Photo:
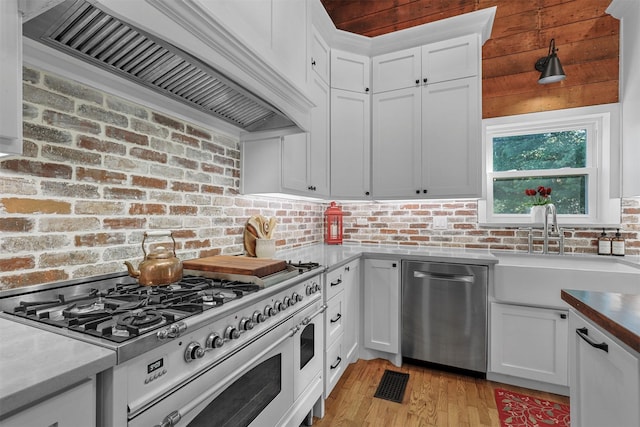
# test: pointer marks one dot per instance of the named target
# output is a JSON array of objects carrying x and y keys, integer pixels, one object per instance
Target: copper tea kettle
[{"x": 159, "y": 267}]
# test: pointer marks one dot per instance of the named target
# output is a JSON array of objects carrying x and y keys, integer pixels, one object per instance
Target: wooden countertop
[
  {"x": 35, "y": 363},
  {"x": 618, "y": 314}
]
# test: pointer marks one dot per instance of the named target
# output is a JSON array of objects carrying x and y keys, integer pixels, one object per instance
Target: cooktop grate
[{"x": 392, "y": 386}]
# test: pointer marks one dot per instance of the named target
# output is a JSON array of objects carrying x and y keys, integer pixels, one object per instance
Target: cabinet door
[
  {"x": 320, "y": 55},
  {"x": 350, "y": 144},
  {"x": 529, "y": 342},
  {"x": 11, "y": 72},
  {"x": 397, "y": 144},
  {"x": 319, "y": 140},
  {"x": 451, "y": 59},
  {"x": 396, "y": 70},
  {"x": 382, "y": 305},
  {"x": 350, "y": 71},
  {"x": 604, "y": 384},
  {"x": 72, "y": 408},
  {"x": 451, "y": 137},
  {"x": 295, "y": 155}
]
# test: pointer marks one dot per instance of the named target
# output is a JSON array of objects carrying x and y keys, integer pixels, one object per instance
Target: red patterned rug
[{"x": 519, "y": 410}]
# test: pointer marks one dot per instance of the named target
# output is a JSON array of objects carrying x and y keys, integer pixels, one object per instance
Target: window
[{"x": 572, "y": 152}]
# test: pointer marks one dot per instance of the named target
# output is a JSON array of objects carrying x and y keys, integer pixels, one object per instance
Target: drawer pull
[
  {"x": 336, "y": 283},
  {"x": 338, "y": 317},
  {"x": 338, "y": 360},
  {"x": 584, "y": 334}
]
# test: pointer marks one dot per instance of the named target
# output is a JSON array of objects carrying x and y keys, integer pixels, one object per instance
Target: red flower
[{"x": 540, "y": 195}]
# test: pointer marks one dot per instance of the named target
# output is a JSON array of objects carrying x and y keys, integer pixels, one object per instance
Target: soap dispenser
[
  {"x": 604, "y": 244},
  {"x": 617, "y": 244}
]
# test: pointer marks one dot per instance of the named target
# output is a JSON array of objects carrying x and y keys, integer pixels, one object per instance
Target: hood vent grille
[{"x": 86, "y": 32}]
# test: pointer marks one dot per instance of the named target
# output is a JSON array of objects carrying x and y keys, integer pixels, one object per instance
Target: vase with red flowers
[{"x": 539, "y": 198}]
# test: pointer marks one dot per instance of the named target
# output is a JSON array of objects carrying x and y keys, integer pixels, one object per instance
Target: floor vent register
[{"x": 392, "y": 386}]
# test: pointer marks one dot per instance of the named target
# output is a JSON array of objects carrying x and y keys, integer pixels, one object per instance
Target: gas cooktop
[{"x": 128, "y": 309}]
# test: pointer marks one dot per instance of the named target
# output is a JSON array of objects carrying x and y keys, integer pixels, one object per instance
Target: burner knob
[
  {"x": 277, "y": 306},
  {"x": 258, "y": 317},
  {"x": 269, "y": 311},
  {"x": 309, "y": 290},
  {"x": 214, "y": 341},
  {"x": 231, "y": 333},
  {"x": 316, "y": 287},
  {"x": 194, "y": 351},
  {"x": 286, "y": 302},
  {"x": 246, "y": 324},
  {"x": 296, "y": 297}
]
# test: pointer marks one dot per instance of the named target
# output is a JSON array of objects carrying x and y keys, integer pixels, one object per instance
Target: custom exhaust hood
[{"x": 87, "y": 32}]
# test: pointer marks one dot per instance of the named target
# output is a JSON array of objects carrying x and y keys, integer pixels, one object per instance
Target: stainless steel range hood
[{"x": 83, "y": 30}]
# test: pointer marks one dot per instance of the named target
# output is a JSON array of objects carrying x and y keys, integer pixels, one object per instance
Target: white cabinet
[
  {"x": 426, "y": 141},
  {"x": 320, "y": 56},
  {"x": 305, "y": 156},
  {"x": 381, "y": 289},
  {"x": 350, "y": 71},
  {"x": 341, "y": 321},
  {"x": 350, "y": 144},
  {"x": 604, "y": 382},
  {"x": 71, "y": 408},
  {"x": 432, "y": 63},
  {"x": 11, "y": 77},
  {"x": 529, "y": 342}
]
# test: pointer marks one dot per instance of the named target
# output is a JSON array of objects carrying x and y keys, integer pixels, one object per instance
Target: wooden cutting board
[{"x": 229, "y": 264}]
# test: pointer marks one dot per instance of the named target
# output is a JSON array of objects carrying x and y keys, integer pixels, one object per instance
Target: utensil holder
[{"x": 265, "y": 248}]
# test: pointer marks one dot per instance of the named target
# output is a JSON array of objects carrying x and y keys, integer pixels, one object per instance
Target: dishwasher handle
[{"x": 444, "y": 276}]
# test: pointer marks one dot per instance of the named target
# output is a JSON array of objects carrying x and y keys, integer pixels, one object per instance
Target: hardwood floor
[{"x": 432, "y": 398}]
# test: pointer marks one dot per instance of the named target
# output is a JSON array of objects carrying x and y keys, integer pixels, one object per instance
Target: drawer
[
  {"x": 334, "y": 365},
  {"x": 333, "y": 284},
  {"x": 335, "y": 319}
]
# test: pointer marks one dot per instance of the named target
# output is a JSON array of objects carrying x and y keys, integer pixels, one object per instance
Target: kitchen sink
[{"x": 537, "y": 279}]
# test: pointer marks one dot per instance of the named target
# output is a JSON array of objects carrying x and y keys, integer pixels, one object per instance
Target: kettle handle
[{"x": 159, "y": 233}]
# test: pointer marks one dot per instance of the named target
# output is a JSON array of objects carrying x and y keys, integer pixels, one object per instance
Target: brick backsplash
[
  {"x": 98, "y": 170},
  {"x": 411, "y": 224}
]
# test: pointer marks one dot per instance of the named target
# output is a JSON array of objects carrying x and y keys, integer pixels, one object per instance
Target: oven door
[
  {"x": 308, "y": 347},
  {"x": 253, "y": 387}
]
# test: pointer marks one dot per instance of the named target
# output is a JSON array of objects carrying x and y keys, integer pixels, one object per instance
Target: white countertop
[{"x": 35, "y": 364}]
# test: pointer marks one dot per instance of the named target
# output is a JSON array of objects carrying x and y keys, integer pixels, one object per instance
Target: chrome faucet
[{"x": 549, "y": 209}]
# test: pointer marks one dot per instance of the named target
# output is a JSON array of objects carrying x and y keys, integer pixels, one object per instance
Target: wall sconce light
[{"x": 550, "y": 67}]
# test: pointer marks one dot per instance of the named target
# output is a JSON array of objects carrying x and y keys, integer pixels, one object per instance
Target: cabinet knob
[
  {"x": 366, "y": 193},
  {"x": 424, "y": 80},
  {"x": 424, "y": 191},
  {"x": 417, "y": 81},
  {"x": 417, "y": 191},
  {"x": 366, "y": 89},
  {"x": 313, "y": 62}
]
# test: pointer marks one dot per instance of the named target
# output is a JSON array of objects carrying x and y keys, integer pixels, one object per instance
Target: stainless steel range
[{"x": 202, "y": 351}]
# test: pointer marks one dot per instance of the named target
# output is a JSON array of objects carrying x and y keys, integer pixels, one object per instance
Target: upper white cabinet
[
  {"x": 350, "y": 71},
  {"x": 426, "y": 131},
  {"x": 350, "y": 144},
  {"x": 11, "y": 77},
  {"x": 320, "y": 56},
  {"x": 436, "y": 62}
]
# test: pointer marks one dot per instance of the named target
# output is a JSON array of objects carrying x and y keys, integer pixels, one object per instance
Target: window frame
[{"x": 602, "y": 164}]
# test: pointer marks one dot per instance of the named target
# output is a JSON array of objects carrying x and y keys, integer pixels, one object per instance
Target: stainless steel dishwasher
[{"x": 444, "y": 314}]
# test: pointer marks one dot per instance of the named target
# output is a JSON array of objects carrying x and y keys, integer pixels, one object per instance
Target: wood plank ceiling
[{"x": 586, "y": 37}]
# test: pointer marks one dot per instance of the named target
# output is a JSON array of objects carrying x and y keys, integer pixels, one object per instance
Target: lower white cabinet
[
  {"x": 71, "y": 408},
  {"x": 381, "y": 289},
  {"x": 529, "y": 342},
  {"x": 604, "y": 381},
  {"x": 341, "y": 321}
]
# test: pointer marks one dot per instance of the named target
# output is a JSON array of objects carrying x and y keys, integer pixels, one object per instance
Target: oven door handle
[
  {"x": 309, "y": 318},
  {"x": 174, "y": 417}
]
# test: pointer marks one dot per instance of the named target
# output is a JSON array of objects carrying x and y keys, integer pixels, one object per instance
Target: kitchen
[{"x": 101, "y": 164}]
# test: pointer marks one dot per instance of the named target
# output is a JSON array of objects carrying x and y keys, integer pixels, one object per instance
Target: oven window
[
  {"x": 307, "y": 345},
  {"x": 245, "y": 399}
]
